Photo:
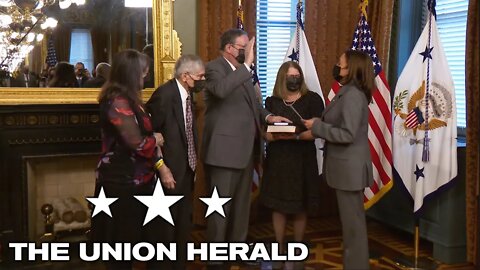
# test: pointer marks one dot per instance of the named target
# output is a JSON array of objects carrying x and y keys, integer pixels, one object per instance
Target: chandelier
[{"x": 23, "y": 23}]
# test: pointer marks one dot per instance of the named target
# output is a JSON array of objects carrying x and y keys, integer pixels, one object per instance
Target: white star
[
  {"x": 158, "y": 204},
  {"x": 101, "y": 203},
  {"x": 215, "y": 203}
]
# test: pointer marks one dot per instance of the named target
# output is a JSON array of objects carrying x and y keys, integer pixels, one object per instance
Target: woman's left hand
[{"x": 309, "y": 123}]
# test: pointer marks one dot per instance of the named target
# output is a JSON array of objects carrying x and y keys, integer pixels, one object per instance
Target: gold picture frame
[{"x": 167, "y": 48}]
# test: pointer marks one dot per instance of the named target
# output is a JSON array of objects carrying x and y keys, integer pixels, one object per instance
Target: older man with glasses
[{"x": 172, "y": 115}]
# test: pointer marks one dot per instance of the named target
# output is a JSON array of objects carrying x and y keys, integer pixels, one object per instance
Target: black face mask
[
  {"x": 198, "y": 85},
  {"x": 336, "y": 73},
  {"x": 241, "y": 56},
  {"x": 293, "y": 83}
]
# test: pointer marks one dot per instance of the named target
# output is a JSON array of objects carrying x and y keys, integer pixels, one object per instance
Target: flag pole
[{"x": 416, "y": 242}]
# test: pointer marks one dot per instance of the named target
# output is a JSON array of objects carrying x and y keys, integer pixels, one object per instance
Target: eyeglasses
[{"x": 242, "y": 47}]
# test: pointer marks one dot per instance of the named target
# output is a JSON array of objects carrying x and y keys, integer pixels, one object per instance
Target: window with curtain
[
  {"x": 276, "y": 22},
  {"x": 81, "y": 49},
  {"x": 452, "y": 27}
]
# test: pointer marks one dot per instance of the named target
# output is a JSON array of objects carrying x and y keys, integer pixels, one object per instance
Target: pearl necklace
[{"x": 290, "y": 103}]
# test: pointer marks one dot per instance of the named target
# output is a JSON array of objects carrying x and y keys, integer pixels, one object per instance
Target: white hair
[{"x": 188, "y": 64}]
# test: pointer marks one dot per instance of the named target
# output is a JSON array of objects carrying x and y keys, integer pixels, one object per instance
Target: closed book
[{"x": 281, "y": 129}]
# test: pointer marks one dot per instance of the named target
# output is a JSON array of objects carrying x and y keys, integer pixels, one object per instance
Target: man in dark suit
[
  {"x": 172, "y": 115},
  {"x": 81, "y": 73},
  {"x": 25, "y": 78},
  {"x": 102, "y": 72},
  {"x": 233, "y": 123}
]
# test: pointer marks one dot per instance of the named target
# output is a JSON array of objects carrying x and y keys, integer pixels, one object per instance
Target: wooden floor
[{"x": 389, "y": 249}]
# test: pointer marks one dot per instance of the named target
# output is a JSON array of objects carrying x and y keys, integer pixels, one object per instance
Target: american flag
[
  {"x": 380, "y": 117},
  {"x": 51, "y": 59}
]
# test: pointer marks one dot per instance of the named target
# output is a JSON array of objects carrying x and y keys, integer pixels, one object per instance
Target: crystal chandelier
[{"x": 22, "y": 24}]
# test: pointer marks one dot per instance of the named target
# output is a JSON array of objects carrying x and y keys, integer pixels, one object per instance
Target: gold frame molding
[{"x": 167, "y": 48}]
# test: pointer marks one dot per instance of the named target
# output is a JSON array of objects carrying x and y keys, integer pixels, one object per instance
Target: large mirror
[
  {"x": 77, "y": 51},
  {"x": 123, "y": 27}
]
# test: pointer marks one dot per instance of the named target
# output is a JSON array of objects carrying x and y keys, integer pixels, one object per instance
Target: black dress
[{"x": 291, "y": 183}]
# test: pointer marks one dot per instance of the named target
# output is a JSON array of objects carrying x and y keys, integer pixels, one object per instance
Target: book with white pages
[{"x": 281, "y": 128}]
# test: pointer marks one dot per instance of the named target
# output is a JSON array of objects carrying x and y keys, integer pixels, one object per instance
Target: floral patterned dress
[
  {"x": 128, "y": 144},
  {"x": 125, "y": 170}
]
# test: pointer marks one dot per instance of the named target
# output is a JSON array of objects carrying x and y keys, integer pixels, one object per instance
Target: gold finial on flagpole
[{"x": 363, "y": 7}]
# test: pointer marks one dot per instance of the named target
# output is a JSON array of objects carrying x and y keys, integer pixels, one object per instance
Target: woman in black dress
[{"x": 291, "y": 181}]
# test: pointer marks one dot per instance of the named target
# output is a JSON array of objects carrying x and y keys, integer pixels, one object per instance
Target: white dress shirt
[{"x": 183, "y": 96}]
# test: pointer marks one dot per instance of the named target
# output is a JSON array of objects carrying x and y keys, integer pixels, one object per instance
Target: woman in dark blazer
[{"x": 348, "y": 165}]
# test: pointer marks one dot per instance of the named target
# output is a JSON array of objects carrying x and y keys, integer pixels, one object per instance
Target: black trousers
[{"x": 182, "y": 217}]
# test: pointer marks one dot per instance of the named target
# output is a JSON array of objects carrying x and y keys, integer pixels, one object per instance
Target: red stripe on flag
[
  {"x": 374, "y": 188},
  {"x": 378, "y": 133},
  {"x": 333, "y": 91},
  {"x": 388, "y": 120},
  {"x": 382, "y": 105},
  {"x": 384, "y": 177},
  {"x": 411, "y": 120}
]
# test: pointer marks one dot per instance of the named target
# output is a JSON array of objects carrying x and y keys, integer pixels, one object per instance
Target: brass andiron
[
  {"x": 48, "y": 236},
  {"x": 88, "y": 232}
]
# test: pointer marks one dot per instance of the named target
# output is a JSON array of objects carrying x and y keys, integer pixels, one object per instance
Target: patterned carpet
[{"x": 389, "y": 249}]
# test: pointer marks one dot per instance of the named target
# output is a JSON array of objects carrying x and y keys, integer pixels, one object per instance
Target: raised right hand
[{"x": 250, "y": 52}]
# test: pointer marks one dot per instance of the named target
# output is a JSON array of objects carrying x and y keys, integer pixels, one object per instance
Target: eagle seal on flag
[{"x": 439, "y": 108}]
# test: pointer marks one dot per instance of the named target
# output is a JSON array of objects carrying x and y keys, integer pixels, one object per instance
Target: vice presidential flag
[
  {"x": 379, "y": 118},
  {"x": 299, "y": 52},
  {"x": 425, "y": 126}
]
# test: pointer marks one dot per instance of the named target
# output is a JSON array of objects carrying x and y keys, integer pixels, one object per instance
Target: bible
[{"x": 281, "y": 128}]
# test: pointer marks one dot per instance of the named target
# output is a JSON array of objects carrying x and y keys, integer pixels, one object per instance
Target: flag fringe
[{"x": 378, "y": 195}]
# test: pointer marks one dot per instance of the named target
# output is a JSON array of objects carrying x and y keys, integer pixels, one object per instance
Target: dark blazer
[
  {"x": 19, "y": 81},
  {"x": 81, "y": 82},
  {"x": 344, "y": 126},
  {"x": 96, "y": 82},
  {"x": 165, "y": 107},
  {"x": 233, "y": 116}
]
